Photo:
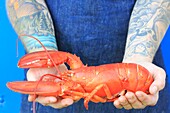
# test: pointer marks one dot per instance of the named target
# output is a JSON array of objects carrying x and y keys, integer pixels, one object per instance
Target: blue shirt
[{"x": 94, "y": 30}]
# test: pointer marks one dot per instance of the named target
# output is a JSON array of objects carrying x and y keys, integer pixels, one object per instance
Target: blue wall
[
  {"x": 10, "y": 101},
  {"x": 166, "y": 51}
]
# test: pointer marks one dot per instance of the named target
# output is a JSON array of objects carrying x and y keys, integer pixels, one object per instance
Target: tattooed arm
[
  {"x": 148, "y": 24},
  {"x": 31, "y": 17}
]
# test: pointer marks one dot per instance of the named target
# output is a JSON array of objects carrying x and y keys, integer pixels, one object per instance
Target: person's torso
[{"x": 95, "y": 30}]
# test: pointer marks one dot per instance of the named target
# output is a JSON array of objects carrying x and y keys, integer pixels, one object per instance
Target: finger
[
  {"x": 32, "y": 98},
  {"x": 41, "y": 99},
  {"x": 46, "y": 100},
  {"x": 62, "y": 68},
  {"x": 31, "y": 74},
  {"x": 51, "y": 101},
  {"x": 62, "y": 103},
  {"x": 117, "y": 104},
  {"x": 124, "y": 102},
  {"x": 135, "y": 103},
  {"x": 147, "y": 99},
  {"x": 159, "y": 81},
  {"x": 34, "y": 74}
]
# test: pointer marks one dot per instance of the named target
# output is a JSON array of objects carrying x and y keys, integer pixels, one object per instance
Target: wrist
[
  {"x": 33, "y": 45},
  {"x": 136, "y": 59}
]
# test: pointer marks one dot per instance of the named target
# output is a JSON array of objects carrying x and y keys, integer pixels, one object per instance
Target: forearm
[
  {"x": 148, "y": 25},
  {"x": 30, "y": 17}
]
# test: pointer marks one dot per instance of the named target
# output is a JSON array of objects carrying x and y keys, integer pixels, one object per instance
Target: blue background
[{"x": 10, "y": 101}]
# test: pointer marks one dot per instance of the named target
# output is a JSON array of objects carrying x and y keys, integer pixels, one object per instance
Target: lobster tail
[{"x": 135, "y": 77}]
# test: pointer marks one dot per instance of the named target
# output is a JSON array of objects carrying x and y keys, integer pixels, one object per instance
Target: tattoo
[
  {"x": 31, "y": 17},
  {"x": 148, "y": 24}
]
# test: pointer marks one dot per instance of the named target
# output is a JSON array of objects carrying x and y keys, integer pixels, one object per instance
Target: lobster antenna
[
  {"x": 34, "y": 106},
  {"x": 45, "y": 51}
]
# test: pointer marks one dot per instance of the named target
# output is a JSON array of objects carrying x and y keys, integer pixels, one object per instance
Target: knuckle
[
  {"x": 128, "y": 107},
  {"x": 153, "y": 104},
  {"x": 162, "y": 71},
  {"x": 139, "y": 107},
  {"x": 44, "y": 104},
  {"x": 162, "y": 85},
  {"x": 136, "y": 107},
  {"x": 132, "y": 100},
  {"x": 142, "y": 107},
  {"x": 117, "y": 105},
  {"x": 57, "y": 107},
  {"x": 124, "y": 103}
]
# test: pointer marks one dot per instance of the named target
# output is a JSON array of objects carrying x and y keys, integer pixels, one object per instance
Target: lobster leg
[
  {"x": 123, "y": 92},
  {"x": 106, "y": 89},
  {"x": 75, "y": 95}
]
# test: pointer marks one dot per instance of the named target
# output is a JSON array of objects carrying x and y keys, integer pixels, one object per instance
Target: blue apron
[{"x": 95, "y": 30}]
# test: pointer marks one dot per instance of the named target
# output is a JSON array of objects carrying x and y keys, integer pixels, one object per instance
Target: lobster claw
[
  {"x": 41, "y": 59},
  {"x": 41, "y": 88},
  {"x": 49, "y": 58}
]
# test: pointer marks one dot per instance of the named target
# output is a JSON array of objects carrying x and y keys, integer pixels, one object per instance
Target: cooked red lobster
[{"x": 103, "y": 83}]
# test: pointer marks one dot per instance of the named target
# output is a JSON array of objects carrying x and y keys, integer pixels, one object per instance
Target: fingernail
[
  {"x": 52, "y": 99},
  {"x": 67, "y": 102},
  {"x": 29, "y": 98}
]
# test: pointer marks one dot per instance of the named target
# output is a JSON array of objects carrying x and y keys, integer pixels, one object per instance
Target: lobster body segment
[{"x": 117, "y": 77}]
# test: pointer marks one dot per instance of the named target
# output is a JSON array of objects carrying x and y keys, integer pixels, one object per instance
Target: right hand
[{"x": 34, "y": 74}]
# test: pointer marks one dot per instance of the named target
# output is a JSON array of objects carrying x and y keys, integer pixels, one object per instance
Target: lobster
[{"x": 103, "y": 83}]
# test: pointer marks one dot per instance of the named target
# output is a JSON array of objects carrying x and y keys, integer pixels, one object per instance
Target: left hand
[
  {"x": 34, "y": 74},
  {"x": 139, "y": 99}
]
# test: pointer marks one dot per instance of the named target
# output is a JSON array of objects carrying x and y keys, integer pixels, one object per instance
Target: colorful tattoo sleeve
[
  {"x": 31, "y": 17},
  {"x": 148, "y": 24}
]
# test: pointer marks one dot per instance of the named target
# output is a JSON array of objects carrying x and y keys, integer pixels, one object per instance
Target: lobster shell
[{"x": 102, "y": 83}]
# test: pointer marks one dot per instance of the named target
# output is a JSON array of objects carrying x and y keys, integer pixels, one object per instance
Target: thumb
[
  {"x": 63, "y": 103},
  {"x": 159, "y": 76},
  {"x": 34, "y": 74}
]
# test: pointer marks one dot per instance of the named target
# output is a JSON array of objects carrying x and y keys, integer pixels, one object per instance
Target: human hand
[
  {"x": 139, "y": 99},
  {"x": 34, "y": 74}
]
